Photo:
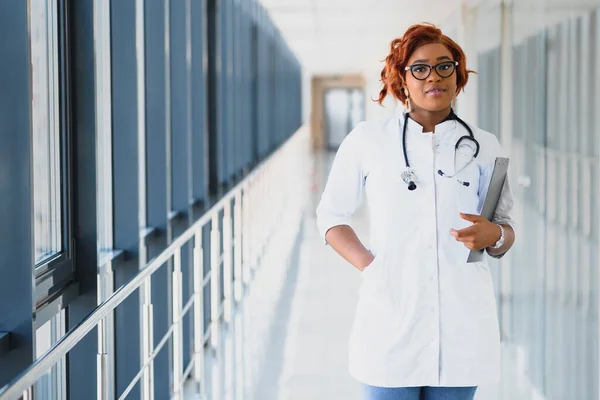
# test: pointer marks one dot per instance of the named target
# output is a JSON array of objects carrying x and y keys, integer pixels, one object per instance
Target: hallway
[{"x": 161, "y": 162}]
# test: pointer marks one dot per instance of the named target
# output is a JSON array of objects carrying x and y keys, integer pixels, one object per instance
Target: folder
[{"x": 491, "y": 199}]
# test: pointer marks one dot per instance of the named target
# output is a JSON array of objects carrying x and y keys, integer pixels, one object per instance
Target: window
[
  {"x": 51, "y": 386},
  {"x": 104, "y": 189},
  {"x": 46, "y": 141},
  {"x": 51, "y": 151}
]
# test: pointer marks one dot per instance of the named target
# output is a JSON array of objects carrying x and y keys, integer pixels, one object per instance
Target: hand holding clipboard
[{"x": 491, "y": 199}]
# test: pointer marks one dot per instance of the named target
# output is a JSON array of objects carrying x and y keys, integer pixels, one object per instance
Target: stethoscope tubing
[{"x": 470, "y": 136}]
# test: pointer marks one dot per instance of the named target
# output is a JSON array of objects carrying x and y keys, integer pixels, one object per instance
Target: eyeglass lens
[{"x": 422, "y": 71}]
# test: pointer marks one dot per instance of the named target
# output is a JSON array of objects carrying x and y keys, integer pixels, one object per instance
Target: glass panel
[
  {"x": 487, "y": 43},
  {"x": 555, "y": 298},
  {"x": 104, "y": 135},
  {"x": 51, "y": 386},
  {"x": 45, "y": 129}
]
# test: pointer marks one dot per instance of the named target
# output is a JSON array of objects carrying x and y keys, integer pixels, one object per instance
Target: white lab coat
[{"x": 424, "y": 316}]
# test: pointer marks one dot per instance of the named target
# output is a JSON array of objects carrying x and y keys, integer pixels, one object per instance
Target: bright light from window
[{"x": 45, "y": 129}]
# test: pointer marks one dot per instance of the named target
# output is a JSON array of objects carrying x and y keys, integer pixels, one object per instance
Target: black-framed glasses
[{"x": 422, "y": 71}]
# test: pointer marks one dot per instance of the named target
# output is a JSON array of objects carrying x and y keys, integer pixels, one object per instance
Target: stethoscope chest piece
[{"x": 409, "y": 177}]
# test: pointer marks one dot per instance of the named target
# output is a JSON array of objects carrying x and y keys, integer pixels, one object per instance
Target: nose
[{"x": 434, "y": 76}]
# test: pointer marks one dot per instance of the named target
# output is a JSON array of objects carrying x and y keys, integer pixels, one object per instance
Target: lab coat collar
[{"x": 443, "y": 127}]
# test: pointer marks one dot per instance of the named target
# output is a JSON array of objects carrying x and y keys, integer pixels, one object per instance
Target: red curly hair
[{"x": 393, "y": 74}]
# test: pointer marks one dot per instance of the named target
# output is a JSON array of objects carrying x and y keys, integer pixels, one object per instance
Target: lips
[{"x": 436, "y": 91}]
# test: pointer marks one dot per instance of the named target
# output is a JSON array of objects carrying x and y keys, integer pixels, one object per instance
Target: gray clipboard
[{"x": 491, "y": 199}]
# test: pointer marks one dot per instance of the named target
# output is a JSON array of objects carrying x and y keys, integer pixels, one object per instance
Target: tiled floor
[{"x": 320, "y": 321}]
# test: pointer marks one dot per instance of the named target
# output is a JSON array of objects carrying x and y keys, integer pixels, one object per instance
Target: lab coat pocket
[
  {"x": 369, "y": 268},
  {"x": 374, "y": 315},
  {"x": 373, "y": 276}
]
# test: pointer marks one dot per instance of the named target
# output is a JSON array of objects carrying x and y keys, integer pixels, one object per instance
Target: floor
[{"x": 306, "y": 350}]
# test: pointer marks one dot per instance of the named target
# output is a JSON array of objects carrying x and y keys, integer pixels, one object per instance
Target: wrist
[
  {"x": 499, "y": 238},
  {"x": 366, "y": 261}
]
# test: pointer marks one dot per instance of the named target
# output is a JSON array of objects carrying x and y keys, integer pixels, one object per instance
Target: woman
[{"x": 425, "y": 325}]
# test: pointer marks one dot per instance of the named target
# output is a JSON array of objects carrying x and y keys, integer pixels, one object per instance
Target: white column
[
  {"x": 466, "y": 37},
  {"x": 506, "y": 75}
]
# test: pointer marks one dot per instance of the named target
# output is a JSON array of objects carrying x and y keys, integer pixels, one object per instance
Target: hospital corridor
[{"x": 299, "y": 199}]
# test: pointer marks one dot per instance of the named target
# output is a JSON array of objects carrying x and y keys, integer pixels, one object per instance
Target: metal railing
[{"x": 261, "y": 210}]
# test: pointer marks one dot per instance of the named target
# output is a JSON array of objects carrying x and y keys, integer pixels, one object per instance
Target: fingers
[
  {"x": 467, "y": 236},
  {"x": 465, "y": 233},
  {"x": 472, "y": 246}
]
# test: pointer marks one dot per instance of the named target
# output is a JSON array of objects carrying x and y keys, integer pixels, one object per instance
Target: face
[{"x": 435, "y": 93}]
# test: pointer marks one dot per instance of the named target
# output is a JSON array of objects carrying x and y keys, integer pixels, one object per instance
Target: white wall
[{"x": 373, "y": 110}]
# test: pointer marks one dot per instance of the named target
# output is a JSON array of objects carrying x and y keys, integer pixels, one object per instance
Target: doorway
[{"x": 343, "y": 109}]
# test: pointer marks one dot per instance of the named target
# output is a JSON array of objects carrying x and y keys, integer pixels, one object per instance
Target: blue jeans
[{"x": 418, "y": 393}]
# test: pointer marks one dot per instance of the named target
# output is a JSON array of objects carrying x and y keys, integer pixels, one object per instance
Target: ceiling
[{"x": 341, "y": 36}]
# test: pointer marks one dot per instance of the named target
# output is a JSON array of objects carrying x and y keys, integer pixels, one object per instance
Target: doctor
[{"x": 425, "y": 325}]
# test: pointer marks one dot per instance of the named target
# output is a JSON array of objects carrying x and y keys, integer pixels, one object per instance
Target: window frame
[{"x": 54, "y": 275}]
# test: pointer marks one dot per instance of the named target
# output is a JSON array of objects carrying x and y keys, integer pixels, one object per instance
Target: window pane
[
  {"x": 103, "y": 121},
  {"x": 45, "y": 130},
  {"x": 52, "y": 385}
]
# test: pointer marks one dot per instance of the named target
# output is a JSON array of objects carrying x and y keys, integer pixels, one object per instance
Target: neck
[{"x": 429, "y": 119}]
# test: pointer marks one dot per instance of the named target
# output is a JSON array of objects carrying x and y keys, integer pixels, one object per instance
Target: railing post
[
  {"x": 260, "y": 217},
  {"x": 238, "y": 288},
  {"x": 105, "y": 362},
  {"x": 147, "y": 340},
  {"x": 246, "y": 238},
  {"x": 239, "y": 348},
  {"x": 102, "y": 365},
  {"x": 199, "y": 330},
  {"x": 176, "y": 303},
  {"x": 27, "y": 394},
  {"x": 227, "y": 264},
  {"x": 215, "y": 284},
  {"x": 264, "y": 211}
]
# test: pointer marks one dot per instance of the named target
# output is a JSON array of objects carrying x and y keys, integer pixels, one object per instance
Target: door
[{"x": 344, "y": 109}]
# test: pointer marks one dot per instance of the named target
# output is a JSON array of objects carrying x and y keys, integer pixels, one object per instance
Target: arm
[
  {"x": 344, "y": 241},
  {"x": 341, "y": 197}
]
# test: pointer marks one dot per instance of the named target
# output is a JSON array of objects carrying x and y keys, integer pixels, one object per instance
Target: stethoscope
[{"x": 409, "y": 177}]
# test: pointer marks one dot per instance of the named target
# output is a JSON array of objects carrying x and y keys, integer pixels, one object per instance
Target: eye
[
  {"x": 420, "y": 69},
  {"x": 446, "y": 66}
]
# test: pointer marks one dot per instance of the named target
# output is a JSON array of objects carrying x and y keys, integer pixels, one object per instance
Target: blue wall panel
[
  {"x": 125, "y": 186},
  {"x": 199, "y": 88},
  {"x": 83, "y": 100},
  {"x": 16, "y": 197}
]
